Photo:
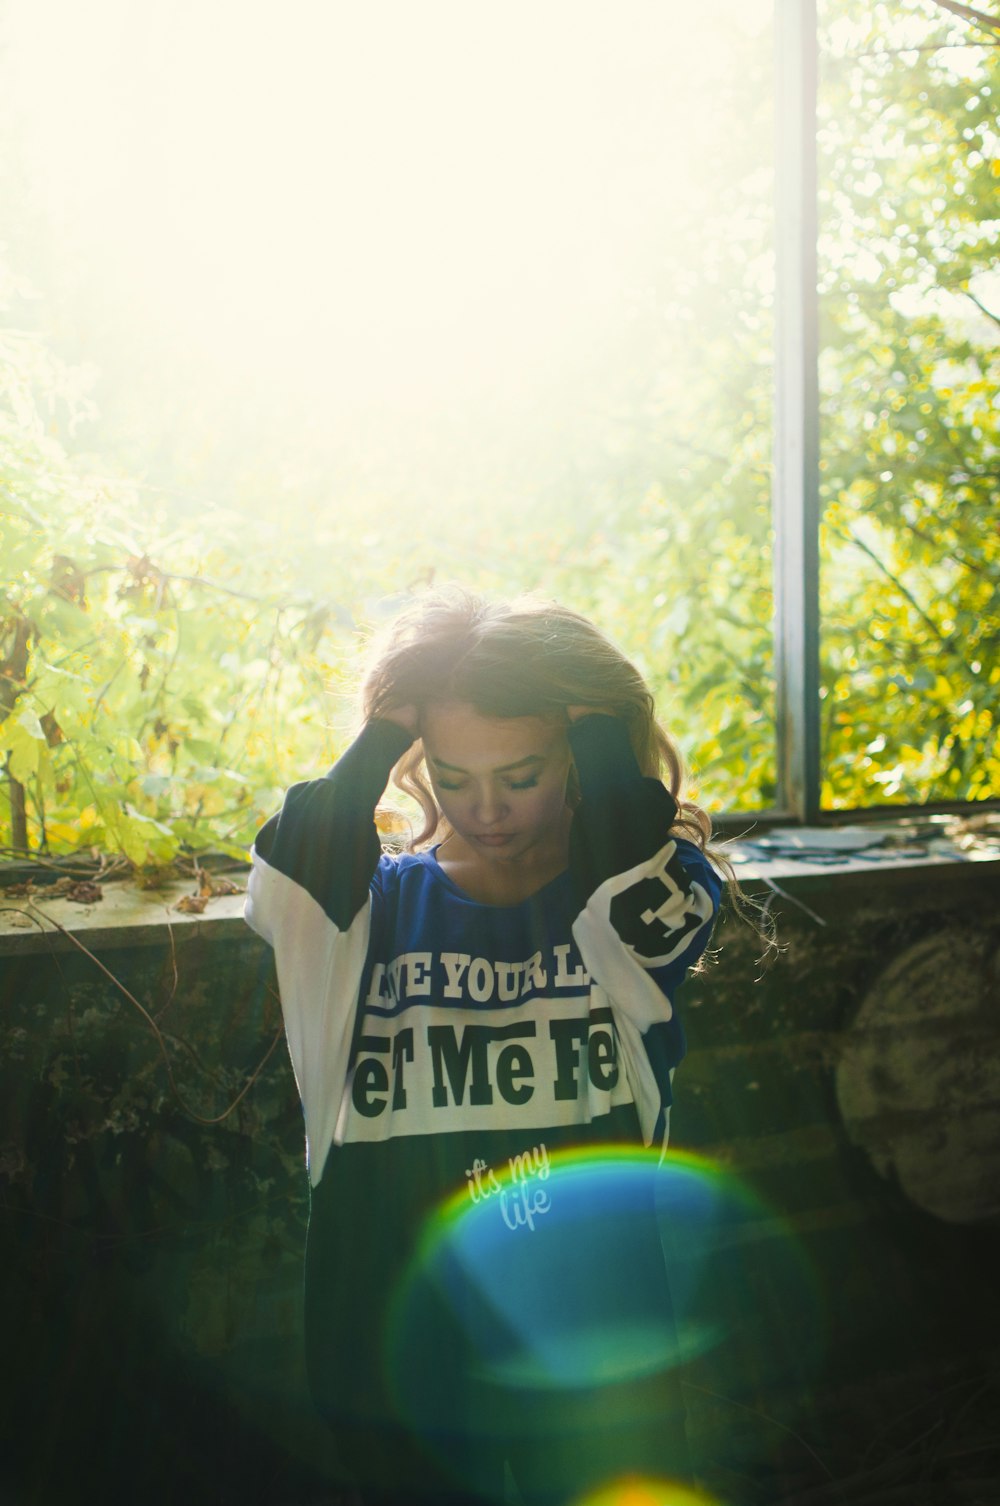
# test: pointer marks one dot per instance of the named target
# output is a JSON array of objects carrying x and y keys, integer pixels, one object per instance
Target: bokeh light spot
[
  {"x": 634, "y": 1491},
  {"x": 561, "y": 1299}
]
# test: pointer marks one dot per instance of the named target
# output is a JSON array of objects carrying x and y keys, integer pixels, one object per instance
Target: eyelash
[{"x": 514, "y": 784}]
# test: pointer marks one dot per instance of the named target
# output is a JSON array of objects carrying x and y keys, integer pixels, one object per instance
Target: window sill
[
  {"x": 129, "y": 916},
  {"x": 126, "y": 915}
]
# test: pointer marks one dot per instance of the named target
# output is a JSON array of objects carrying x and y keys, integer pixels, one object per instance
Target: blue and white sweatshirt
[{"x": 435, "y": 1038}]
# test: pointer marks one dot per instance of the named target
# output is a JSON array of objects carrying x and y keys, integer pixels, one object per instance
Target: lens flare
[
  {"x": 561, "y": 1297},
  {"x": 634, "y": 1491}
]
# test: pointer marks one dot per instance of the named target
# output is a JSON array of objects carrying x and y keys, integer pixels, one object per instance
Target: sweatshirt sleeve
[
  {"x": 647, "y": 903},
  {"x": 323, "y": 840},
  {"x": 308, "y": 896}
]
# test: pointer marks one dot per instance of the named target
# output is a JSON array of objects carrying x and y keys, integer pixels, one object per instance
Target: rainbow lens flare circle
[{"x": 570, "y": 1292}]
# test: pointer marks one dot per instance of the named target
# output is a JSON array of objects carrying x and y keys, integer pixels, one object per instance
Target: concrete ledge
[{"x": 128, "y": 915}]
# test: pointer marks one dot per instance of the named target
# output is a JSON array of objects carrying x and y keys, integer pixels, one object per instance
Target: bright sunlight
[{"x": 394, "y": 210}]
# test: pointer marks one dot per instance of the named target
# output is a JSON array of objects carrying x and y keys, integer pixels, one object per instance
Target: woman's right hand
[{"x": 407, "y": 717}]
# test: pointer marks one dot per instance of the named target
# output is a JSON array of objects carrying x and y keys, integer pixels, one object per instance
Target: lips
[{"x": 495, "y": 838}]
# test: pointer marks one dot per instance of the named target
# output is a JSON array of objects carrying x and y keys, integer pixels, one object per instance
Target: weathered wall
[
  {"x": 856, "y": 1088},
  {"x": 149, "y": 1306}
]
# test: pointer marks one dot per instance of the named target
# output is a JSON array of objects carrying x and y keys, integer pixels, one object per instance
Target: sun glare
[{"x": 388, "y": 203}]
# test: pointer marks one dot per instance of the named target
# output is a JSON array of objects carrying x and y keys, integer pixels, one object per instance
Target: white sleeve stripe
[
  {"x": 319, "y": 975},
  {"x": 669, "y": 913}
]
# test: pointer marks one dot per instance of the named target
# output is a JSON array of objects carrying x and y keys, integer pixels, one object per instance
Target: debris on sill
[{"x": 896, "y": 842}]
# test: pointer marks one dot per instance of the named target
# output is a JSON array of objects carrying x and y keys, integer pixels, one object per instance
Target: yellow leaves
[
  {"x": 972, "y": 724},
  {"x": 23, "y": 737},
  {"x": 131, "y": 842},
  {"x": 256, "y": 744},
  {"x": 141, "y": 838},
  {"x": 63, "y": 832},
  {"x": 995, "y": 168},
  {"x": 205, "y": 799},
  {"x": 128, "y": 748}
]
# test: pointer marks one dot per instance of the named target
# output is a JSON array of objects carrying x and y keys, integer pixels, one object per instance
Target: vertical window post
[{"x": 796, "y": 412}]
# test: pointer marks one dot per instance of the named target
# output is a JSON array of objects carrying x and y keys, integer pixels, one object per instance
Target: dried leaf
[
  {"x": 391, "y": 823},
  {"x": 192, "y": 904}
]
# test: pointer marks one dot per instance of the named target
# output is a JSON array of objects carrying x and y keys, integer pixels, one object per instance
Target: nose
[{"x": 490, "y": 807}]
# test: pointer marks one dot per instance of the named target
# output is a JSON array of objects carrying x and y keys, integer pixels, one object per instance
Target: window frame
[
  {"x": 795, "y": 501},
  {"x": 796, "y": 510}
]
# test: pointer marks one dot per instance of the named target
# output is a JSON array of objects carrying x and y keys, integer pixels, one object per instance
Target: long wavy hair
[
  {"x": 526, "y": 657},
  {"x": 529, "y": 656}
]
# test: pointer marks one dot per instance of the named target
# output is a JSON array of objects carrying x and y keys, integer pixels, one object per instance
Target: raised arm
[
  {"x": 623, "y": 817},
  {"x": 324, "y": 839},
  {"x": 647, "y": 900},
  {"x": 308, "y": 897},
  {"x": 658, "y": 892}
]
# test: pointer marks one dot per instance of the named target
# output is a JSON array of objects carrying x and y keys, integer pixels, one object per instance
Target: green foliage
[
  {"x": 163, "y": 679},
  {"x": 910, "y": 161},
  {"x": 165, "y": 683},
  {"x": 150, "y": 708}
]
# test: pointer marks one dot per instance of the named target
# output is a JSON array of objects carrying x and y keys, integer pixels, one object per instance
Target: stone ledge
[
  {"x": 125, "y": 916},
  {"x": 130, "y": 916}
]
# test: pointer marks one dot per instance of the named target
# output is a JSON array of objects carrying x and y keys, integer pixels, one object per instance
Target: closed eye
[{"x": 512, "y": 784}]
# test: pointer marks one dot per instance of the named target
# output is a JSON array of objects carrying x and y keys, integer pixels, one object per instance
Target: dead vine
[{"x": 38, "y": 915}]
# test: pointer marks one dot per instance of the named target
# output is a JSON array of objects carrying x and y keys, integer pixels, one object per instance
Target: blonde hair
[
  {"x": 529, "y": 656},
  {"x": 526, "y": 657}
]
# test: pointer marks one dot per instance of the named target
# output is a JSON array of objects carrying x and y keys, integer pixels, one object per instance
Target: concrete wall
[{"x": 150, "y": 1300}]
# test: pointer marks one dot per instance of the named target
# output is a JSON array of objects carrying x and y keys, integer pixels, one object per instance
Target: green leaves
[
  {"x": 144, "y": 698},
  {"x": 22, "y": 738},
  {"x": 910, "y": 421},
  {"x": 164, "y": 680}
]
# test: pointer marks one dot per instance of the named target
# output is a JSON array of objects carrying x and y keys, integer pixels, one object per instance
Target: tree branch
[
  {"x": 849, "y": 537},
  {"x": 18, "y": 811},
  {"x": 889, "y": 52},
  {"x": 981, "y": 306},
  {"x": 956, "y": 554},
  {"x": 199, "y": 580},
  {"x": 967, "y": 13},
  {"x": 948, "y": 639}
]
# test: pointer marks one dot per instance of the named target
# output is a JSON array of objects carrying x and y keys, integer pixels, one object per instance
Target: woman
[{"x": 462, "y": 1014}]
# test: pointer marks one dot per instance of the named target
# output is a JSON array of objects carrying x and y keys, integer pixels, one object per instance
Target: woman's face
[{"x": 500, "y": 781}]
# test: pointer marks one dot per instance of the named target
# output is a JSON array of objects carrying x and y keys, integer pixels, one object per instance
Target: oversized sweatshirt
[{"x": 445, "y": 1046}]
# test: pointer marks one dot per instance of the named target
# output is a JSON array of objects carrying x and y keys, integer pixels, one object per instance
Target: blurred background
[{"x": 306, "y": 310}]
